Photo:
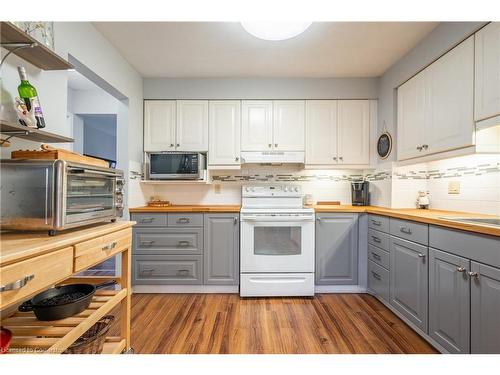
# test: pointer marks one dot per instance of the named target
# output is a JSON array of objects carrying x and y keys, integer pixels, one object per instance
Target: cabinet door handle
[
  {"x": 18, "y": 284},
  {"x": 376, "y": 275},
  {"x": 405, "y": 230},
  {"x": 376, "y": 239},
  {"x": 109, "y": 246},
  {"x": 270, "y": 145},
  {"x": 341, "y": 158},
  {"x": 147, "y": 243},
  {"x": 461, "y": 269},
  {"x": 275, "y": 145},
  {"x": 171, "y": 145},
  {"x": 183, "y": 220},
  {"x": 425, "y": 147},
  {"x": 178, "y": 144},
  {"x": 419, "y": 148},
  {"x": 318, "y": 219},
  {"x": 376, "y": 222},
  {"x": 473, "y": 274},
  {"x": 235, "y": 220},
  {"x": 183, "y": 243},
  {"x": 420, "y": 255},
  {"x": 236, "y": 158},
  {"x": 376, "y": 256},
  {"x": 335, "y": 158}
]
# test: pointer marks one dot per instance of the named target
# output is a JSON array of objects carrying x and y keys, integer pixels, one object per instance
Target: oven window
[
  {"x": 277, "y": 240},
  {"x": 89, "y": 194}
]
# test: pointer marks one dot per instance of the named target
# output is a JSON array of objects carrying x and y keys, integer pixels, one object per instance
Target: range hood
[{"x": 272, "y": 157}]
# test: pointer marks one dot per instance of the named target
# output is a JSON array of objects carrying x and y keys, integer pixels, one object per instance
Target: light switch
[
  {"x": 217, "y": 189},
  {"x": 454, "y": 187}
]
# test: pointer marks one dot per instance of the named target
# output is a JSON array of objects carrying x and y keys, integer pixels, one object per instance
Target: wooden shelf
[
  {"x": 32, "y": 335},
  {"x": 39, "y": 55},
  {"x": 32, "y": 134}
]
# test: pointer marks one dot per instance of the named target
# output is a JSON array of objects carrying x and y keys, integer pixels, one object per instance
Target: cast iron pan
[{"x": 62, "y": 301}]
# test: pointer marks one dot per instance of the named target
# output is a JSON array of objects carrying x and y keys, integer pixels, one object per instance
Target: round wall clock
[{"x": 384, "y": 145}]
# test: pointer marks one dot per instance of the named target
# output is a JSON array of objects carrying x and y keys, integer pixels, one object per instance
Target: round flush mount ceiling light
[{"x": 275, "y": 30}]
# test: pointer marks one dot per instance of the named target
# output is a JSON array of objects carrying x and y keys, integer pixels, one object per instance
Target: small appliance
[
  {"x": 423, "y": 200},
  {"x": 360, "y": 194},
  {"x": 176, "y": 165}
]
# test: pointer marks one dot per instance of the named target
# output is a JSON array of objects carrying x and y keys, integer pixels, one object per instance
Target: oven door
[{"x": 277, "y": 243}]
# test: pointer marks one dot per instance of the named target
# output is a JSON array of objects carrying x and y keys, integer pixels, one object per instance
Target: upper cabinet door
[
  {"x": 257, "y": 125},
  {"x": 159, "y": 125},
  {"x": 321, "y": 131},
  {"x": 289, "y": 125},
  {"x": 487, "y": 72},
  {"x": 411, "y": 117},
  {"x": 224, "y": 132},
  {"x": 451, "y": 85},
  {"x": 354, "y": 131},
  {"x": 192, "y": 125}
]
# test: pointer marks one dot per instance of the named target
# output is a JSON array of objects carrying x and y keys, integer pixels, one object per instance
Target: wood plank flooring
[{"x": 226, "y": 323}]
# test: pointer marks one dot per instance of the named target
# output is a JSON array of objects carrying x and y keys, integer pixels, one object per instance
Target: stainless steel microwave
[
  {"x": 176, "y": 165},
  {"x": 55, "y": 195}
]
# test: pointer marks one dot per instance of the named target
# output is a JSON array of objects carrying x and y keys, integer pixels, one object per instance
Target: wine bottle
[{"x": 28, "y": 94}]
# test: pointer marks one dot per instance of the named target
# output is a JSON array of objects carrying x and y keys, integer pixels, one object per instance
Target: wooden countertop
[
  {"x": 16, "y": 246},
  {"x": 188, "y": 208},
  {"x": 423, "y": 216}
]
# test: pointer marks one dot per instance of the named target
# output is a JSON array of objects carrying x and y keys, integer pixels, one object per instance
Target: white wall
[{"x": 260, "y": 88}]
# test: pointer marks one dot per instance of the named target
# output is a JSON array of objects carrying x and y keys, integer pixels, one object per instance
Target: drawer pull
[
  {"x": 405, "y": 230},
  {"x": 183, "y": 243},
  {"x": 376, "y": 256},
  {"x": 109, "y": 246},
  {"x": 235, "y": 220},
  {"x": 376, "y": 239},
  {"x": 473, "y": 274},
  {"x": 147, "y": 243},
  {"x": 147, "y": 270},
  {"x": 18, "y": 284},
  {"x": 376, "y": 275},
  {"x": 147, "y": 220},
  {"x": 420, "y": 255},
  {"x": 183, "y": 220},
  {"x": 461, "y": 269},
  {"x": 183, "y": 272},
  {"x": 376, "y": 222}
]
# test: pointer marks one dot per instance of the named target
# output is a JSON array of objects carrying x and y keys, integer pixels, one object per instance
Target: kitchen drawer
[
  {"x": 34, "y": 275},
  {"x": 378, "y": 280},
  {"x": 185, "y": 220},
  {"x": 379, "y": 256},
  {"x": 167, "y": 269},
  {"x": 150, "y": 220},
  {"x": 180, "y": 241},
  {"x": 91, "y": 252},
  {"x": 410, "y": 230},
  {"x": 379, "y": 239},
  {"x": 378, "y": 222}
]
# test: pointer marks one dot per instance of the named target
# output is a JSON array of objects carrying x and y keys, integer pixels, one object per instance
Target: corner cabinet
[
  {"x": 435, "y": 107},
  {"x": 224, "y": 126},
  {"x": 336, "y": 249},
  {"x": 222, "y": 242}
]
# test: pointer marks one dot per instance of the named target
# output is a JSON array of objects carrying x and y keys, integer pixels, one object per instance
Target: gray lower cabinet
[
  {"x": 222, "y": 242},
  {"x": 409, "y": 281},
  {"x": 167, "y": 269},
  {"x": 378, "y": 280},
  {"x": 336, "y": 249},
  {"x": 449, "y": 301},
  {"x": 485, "y": 309},
  {"x": 165, "y": 241}
]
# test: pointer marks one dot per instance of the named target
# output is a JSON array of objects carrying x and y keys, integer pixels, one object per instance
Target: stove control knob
[{"x": 285, "y": 189}]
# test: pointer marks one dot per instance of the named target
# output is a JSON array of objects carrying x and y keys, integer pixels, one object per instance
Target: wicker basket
[{"x": 92, "y": 341}]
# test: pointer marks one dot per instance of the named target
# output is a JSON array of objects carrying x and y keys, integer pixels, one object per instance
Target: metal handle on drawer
[
  {"x": 376, "y": 275},
  {"x": 183, "y": 272},
  {"x": 18, "y": 284},
  {"x": 183, "y": 243},
  {"x": 109, "y": 246},
  {"x": 420, "y": 255},
  {"x": 183, "y": 220},
  {"x": 376, "y": 222},
  {"x": 147, "y": 243},
  {"x": 405, "y": 230},
  {"x": 376, "y": 256},
  {"x": 376, "y": 239},
  {"x": 147, "y": 220},
  {"x": 461, "y": 269}
]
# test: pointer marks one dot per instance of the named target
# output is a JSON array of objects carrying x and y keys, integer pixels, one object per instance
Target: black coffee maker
[{"x": 360, "y": 196}]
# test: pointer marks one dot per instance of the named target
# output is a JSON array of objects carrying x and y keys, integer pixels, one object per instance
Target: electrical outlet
[
  {"x": 217, "y": 189},
  {"x": 454, "y": 187}
]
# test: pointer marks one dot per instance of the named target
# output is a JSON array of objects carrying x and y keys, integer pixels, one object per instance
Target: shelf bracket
[{"x": 11, "y": 47}]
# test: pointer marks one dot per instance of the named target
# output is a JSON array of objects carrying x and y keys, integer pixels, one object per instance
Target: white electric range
[{"x": 276, "y": 242}]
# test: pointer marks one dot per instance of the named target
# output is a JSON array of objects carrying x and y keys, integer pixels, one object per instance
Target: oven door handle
[
  {"x": 277, "y": 218},
  {"x": 87, "y": 172}
]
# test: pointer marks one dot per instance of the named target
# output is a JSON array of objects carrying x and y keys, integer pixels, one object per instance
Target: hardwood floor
[{"x": 225, "y": 323}]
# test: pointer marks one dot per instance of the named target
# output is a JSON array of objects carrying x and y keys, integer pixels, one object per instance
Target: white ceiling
[{"x": 224, "y": 49}]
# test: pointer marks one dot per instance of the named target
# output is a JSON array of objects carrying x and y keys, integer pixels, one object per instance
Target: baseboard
[
  {"x": 339, "y": 289},
  {"x": 185, "y": 289}
]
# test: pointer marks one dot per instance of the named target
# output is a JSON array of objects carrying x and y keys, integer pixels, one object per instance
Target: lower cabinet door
[
  {"x": 167, "y": 269},
  {"x": 409, "y": 281},
  {"x": 337, "y": 249},
  {"x": 222, "y": 249},
  {"x": 485, "y": 309},
  {"x": 449, "y": 301}
]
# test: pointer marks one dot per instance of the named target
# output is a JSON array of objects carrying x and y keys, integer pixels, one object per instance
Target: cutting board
[{"x": 50, "y": 153}]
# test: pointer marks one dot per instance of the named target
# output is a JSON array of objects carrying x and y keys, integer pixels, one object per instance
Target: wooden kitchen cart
[{"x": 32, "y": 262}]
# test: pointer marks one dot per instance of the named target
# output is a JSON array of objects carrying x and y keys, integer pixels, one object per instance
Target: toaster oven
[{"x": 55, "y": 195}]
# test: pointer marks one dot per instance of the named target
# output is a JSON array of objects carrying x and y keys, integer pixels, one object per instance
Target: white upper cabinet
[
  {"x": 354, "y": 131},
  {"x": 487, "y": 72},
  {"x": 224, "y": 132},
  {"x": 289, "y": 125},
  {"x": 321, "y": 131},
  {"x": 435, "y": 108},
  {"x": 159, "y": 125},
  {"x": 192, "y": 125},
  {"x": 257, "y": 125}
]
